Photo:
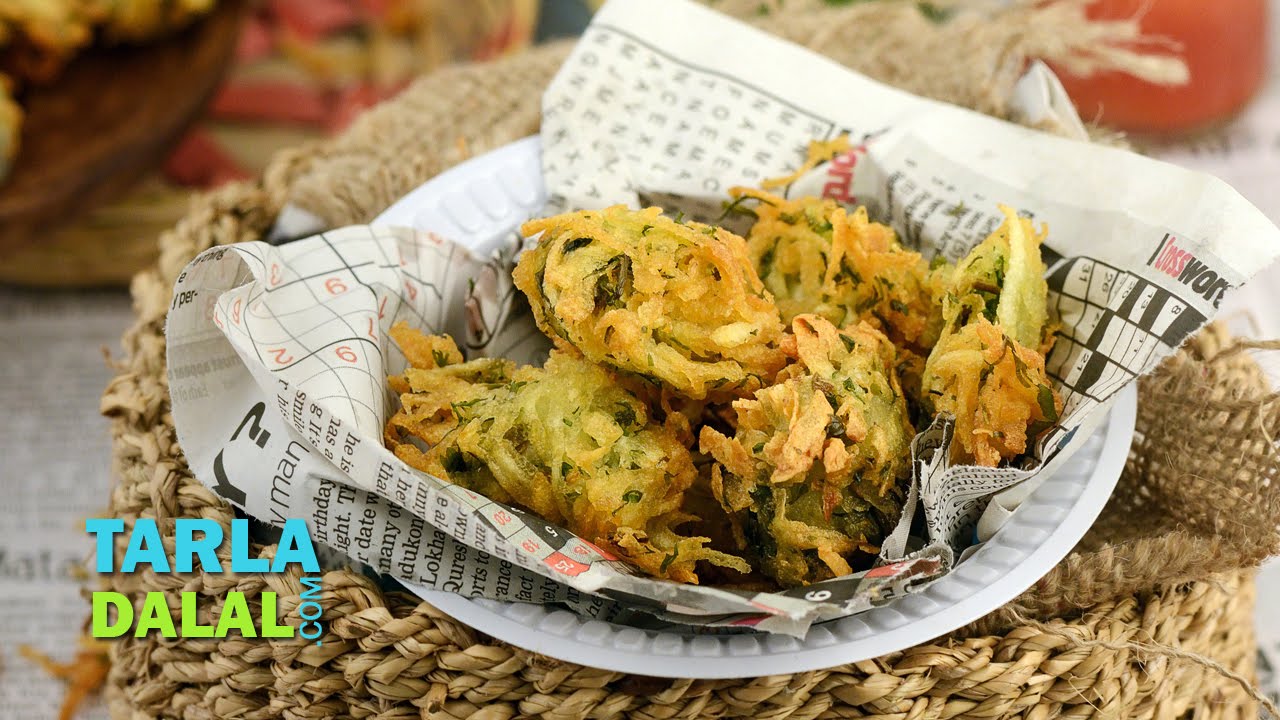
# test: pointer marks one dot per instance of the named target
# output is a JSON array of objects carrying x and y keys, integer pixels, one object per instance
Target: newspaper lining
[
  {"x": 278, "y": 356},
  {"x": 57, "y": 463}
]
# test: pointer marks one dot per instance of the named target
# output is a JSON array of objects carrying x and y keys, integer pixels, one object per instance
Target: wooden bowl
[{"x": 110, "y": 117}]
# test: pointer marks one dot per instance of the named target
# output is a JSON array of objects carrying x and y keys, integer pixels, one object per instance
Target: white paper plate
[{"x": 481, "y": 202}]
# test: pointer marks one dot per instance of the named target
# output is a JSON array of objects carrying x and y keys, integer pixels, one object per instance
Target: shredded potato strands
[
  {"x": 820, "y": 151},
  {"x": 815, "y": 257},
  {"x": 676, "y": 303},
  {"x": 987, "y": 370},
  {"x": 565, "y": 441},
  {"x": 759, "y": 391},
  {"x": 814, "y": 472}
]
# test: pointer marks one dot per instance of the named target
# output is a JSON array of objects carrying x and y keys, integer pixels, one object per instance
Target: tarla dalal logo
[{"x": 196, "y": 542}]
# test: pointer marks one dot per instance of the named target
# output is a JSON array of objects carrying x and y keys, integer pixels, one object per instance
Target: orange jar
[{"x": 1224, "y": 43}]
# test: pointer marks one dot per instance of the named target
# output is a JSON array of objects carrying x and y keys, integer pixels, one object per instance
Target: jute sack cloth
[{"x": 1148, "y": 617}]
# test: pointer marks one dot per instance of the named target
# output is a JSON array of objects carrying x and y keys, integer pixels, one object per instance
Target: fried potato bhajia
[
  {"x": 815, "y": 470},
  {"x": 996, "y": 389},
  {"x": 815, "y": 257},
  {"x": 421, "y": 351},
  {"x": 1002, "y": 279},
  {"x": 566, "y": 442},
  {"x": 677, "y": 303},
  {"x": 987, "y": 369}
]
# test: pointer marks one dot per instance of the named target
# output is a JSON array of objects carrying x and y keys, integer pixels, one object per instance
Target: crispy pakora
[
  {"x": 565, "y": 441},
  {"x": 815, "y": 472},
  {"x": 987, "y": 369},
  {"x": 816, "y": 257},
  {"x": 1002, "y": 279},
  {"x": 670, "y": 335},
  {"x": 676, "y": 303}
]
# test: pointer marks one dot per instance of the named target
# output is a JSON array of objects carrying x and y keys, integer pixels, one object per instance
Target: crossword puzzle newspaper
[{"x": 278, "y": 356}]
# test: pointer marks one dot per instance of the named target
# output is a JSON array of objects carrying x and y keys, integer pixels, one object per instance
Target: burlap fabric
[{"x": 1149, "y": 617}]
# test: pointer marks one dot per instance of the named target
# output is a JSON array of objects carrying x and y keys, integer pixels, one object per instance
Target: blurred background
[
  {"x": 113, "y": 112},
  {"x": 209, "y": 90}
]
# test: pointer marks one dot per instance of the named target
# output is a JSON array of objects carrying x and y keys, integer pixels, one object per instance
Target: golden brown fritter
[
  {"x": 1002, "y": 279},
  {"x": 816, "y": 469},
  {"x": 816, "y": 257},
  {"x": 676, "y": 303},
  {"x": 987, "y": 369},
  {"x": 565, "y": 441},
  {"x": 659, "y": 324},
  {"x": 996, "y": 390}
]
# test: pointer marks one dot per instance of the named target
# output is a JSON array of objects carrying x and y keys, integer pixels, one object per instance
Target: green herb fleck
[
  {"x": 766, "y": 260},
  {"x": 613, "y": 285},
  {"x": 933, "y": 13},
  {"x": 459, "y": 407},
  {"x": 666, "y": 562},
  {"x": 736, "y": 208},
  {"x": 455, "y": 462},
  {"x": 1045, "y": 397},
  {"x": 819, "y": 225},
  {"x": 847, "y": 272},
  {"x": 625, "y": 415},
  {"x": 991, "y": 306},
  {"x": 574, "y": 244}
]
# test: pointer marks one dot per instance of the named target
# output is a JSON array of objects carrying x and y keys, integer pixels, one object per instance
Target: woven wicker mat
[{"x": 1149, "y": 616}]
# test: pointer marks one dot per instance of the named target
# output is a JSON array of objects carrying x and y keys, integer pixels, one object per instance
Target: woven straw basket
[{"x": 1150, "y": 616}]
